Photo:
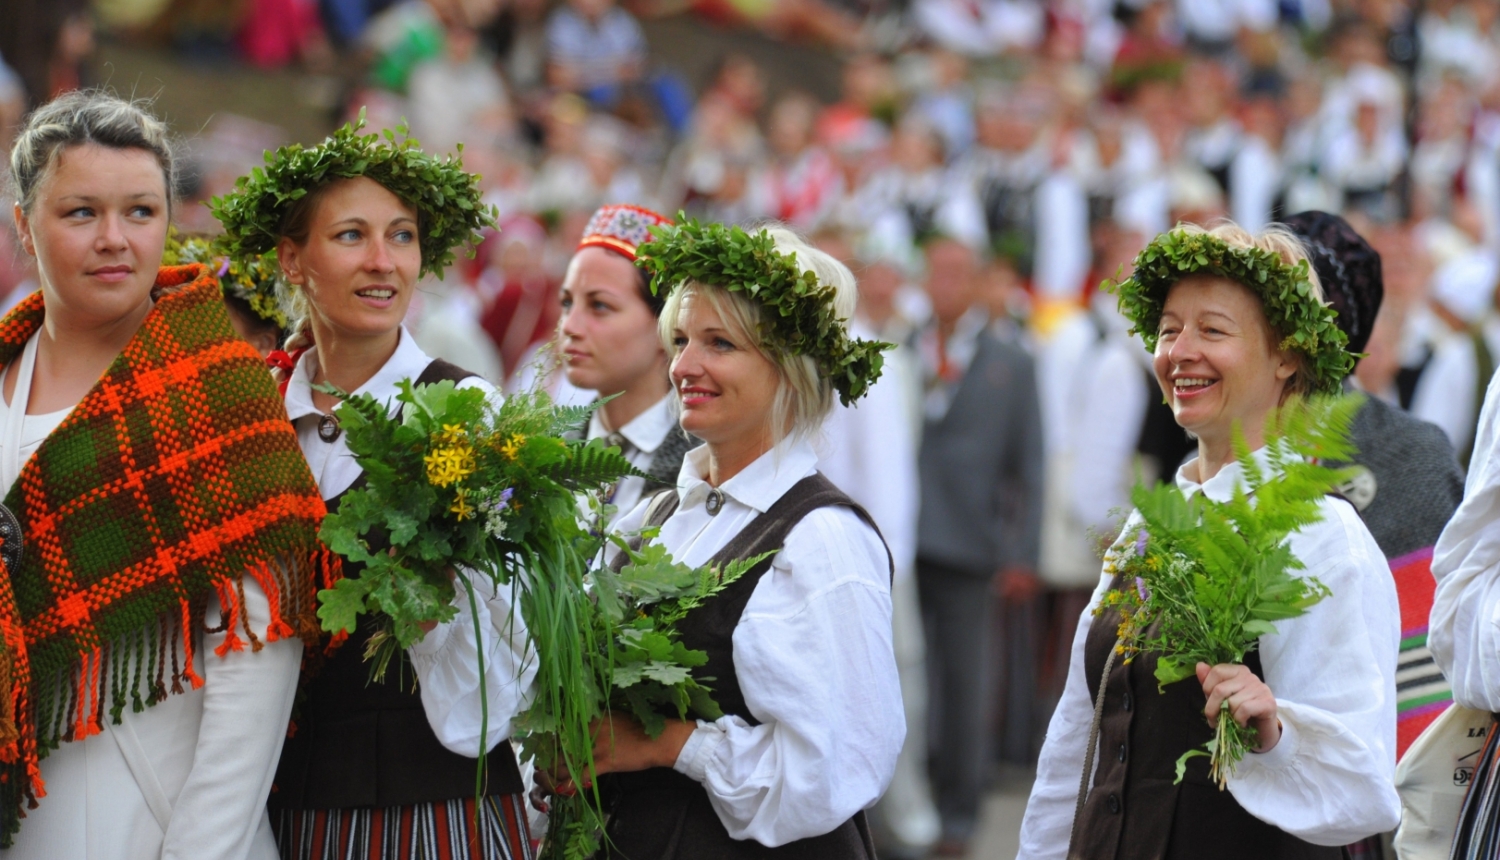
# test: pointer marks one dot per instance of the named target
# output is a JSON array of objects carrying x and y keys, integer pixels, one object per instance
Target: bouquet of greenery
[
  {"x": 1202, "y": 581},
  {"x": 457, "y": 486}
]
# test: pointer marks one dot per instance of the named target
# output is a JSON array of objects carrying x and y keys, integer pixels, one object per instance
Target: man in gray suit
[{"x": 978, "y": 532}]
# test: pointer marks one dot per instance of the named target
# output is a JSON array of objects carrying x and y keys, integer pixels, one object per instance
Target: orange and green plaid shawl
[{"x": 176, "y": 476}]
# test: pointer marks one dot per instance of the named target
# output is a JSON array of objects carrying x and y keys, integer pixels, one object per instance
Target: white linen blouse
[
  {"x": 1329, "y": 780},
  {"x": 1464, "y": 627},
  {"x": 185, "y": 778},
  {"x": 645, "y": 432},
  {"x": 446, "y": 659},
  {"x": 812, "y": 652}
]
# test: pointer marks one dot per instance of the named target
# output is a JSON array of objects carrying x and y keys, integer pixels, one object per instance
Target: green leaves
[
  {"x": 449, "y": 204},
  {"x": 1204, "y": 579},
  {"x": 1304, "y": 324},
  {"x": 799, "y": 315}
]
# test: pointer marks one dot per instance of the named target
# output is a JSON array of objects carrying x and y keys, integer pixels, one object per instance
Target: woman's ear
[
  {"x": 23, "y": 231},
  {"x": 290, "y": 258},
  {"x": 1287, "y": 364}
]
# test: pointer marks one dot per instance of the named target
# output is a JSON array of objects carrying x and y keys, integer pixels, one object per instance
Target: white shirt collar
[
  {"x": 407, "y": 362},
  {"x": 759, "y": 485},
  {"x": 645, "y": 431},
  {"x": 1220, "y": 487}
]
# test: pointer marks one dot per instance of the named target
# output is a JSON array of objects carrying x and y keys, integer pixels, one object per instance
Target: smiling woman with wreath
[
  {"x": 1239, "y": 329},
  {"x": 380, "y": 768},
  {"x": 799, "y": 648}
]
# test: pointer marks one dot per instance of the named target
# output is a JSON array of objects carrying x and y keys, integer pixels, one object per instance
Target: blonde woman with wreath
[{"x": 800, "y": 647}]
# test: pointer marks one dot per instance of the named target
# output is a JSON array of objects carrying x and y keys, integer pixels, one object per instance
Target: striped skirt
[
  {"x": 1478, "y": 833},
  {"x": 429, "y": 831}
]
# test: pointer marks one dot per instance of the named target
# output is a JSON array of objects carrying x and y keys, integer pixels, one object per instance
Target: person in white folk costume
[
  {"x": 608, "y": 341},
  {"x": 1320, "y": 691},
  {"x": 1462, "y": 633},
  {"x": 800, "y": 647},
  {"x": 137, "y": 367},
  {"x": 379, "y": 769}
]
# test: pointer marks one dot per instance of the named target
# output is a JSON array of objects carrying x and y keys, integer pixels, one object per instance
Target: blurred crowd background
[{"x": 980, "y": 164}]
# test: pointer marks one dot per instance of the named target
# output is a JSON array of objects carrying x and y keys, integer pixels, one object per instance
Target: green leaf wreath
[
  {"x": 799, "y": 314},
  {"x": 1201, "y": 581},
  {"x": 449, "y": 204},
  {"x": 1305, "y": 324}
]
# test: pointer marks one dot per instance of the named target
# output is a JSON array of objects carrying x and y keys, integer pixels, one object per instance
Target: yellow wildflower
[
  {"x": 512, "y": 446},
  {"x": 452, "y": 434},
  {"x": 461, "y": 506},
  {"x": 449, "y": 464}
]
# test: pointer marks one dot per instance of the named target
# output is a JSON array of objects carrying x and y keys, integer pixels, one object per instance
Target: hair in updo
[
  {"x": 79, "y": 118},
  {"x": 804, "y": 394}
]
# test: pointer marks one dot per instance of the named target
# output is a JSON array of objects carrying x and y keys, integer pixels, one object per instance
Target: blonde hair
[
  {"x": 804, "y": 395},
  {"x": 83, "y": 117},
  {"x": 1287, "y": 246}
]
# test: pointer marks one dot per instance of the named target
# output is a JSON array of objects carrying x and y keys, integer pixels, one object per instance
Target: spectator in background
[
  {"x": 12, "y": 104},
  {"x": 594, "y": 48},
  {"x": 984, "y": 28},
  {"x": 946, "y": 101},
  {"x": 1451, "y": 388},
  {"x": 524, "y": 310},
  {"x": 1363, "y": 161},
  {"x": 458, "y": 97},
  {"x": 801, "y": 183},
  {"x": 1035, "y": 210},
  {"x": 980, "y": 465},
  {"x": 870, "y": 453}
]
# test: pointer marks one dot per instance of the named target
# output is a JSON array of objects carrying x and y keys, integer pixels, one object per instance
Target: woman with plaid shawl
[
  {"x": 163, "y": 516},
  {"x": 377, "y": 769}
]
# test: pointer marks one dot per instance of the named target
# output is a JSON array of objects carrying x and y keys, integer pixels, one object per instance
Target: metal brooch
[
  {"x": 328, "y": 428},
  {"x": 715, "y": 501},
  {"x": 12, "y": 546}
]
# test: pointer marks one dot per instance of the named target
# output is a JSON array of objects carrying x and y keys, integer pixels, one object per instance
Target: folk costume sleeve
[
  {"x": 814, "y": 659},
  {"x": 1048, "y": 824},
  {"x": 246, "y": 699},
  {"x": 1464, "y": 633},
  {"x": 447, "y": 666},
  {"x": 1330, "y": 779},
  {"x": 174, "y": 483}
]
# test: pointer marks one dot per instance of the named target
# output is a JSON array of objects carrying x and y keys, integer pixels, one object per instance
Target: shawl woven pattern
[{"x": 175, "y": 477}]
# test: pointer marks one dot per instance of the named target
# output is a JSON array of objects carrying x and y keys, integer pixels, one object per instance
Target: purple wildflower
[
  {"x": 1140, "y": 588},
  {"x": 1140, "y": 543},
  {"x": 223, "y": 268},
  {"x": 505, "y": 495}
]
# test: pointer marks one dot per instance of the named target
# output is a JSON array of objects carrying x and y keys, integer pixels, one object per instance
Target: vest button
[
  {"x": 1127, "y": 700},
  {"x": 1122, "y": 752},
  {"x": 1114, "y": 804}
]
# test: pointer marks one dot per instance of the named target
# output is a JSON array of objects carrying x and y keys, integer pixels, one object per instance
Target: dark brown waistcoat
[
  {"x": 360, "y": 744},
  {"x": 660, "y": 814},
  {"x": 1133, "y": 811}
]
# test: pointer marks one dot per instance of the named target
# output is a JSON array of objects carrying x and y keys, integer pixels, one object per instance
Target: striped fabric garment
[
  {"x": 429, "y": 831},
  {"x": 1422, "y": 693}
]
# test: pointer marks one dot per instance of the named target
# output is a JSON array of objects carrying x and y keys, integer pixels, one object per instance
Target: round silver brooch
[
  {"x": 12, "y": 547},
  {"x": 328, "y": 428},
  {"x": 715, "y": 502}
]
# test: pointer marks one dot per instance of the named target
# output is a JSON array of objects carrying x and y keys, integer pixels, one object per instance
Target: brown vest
[
  {"x": 360, "y": 744},
  {"x": 1133, "y": 811},
  {"x": 660, "y": 814}
]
